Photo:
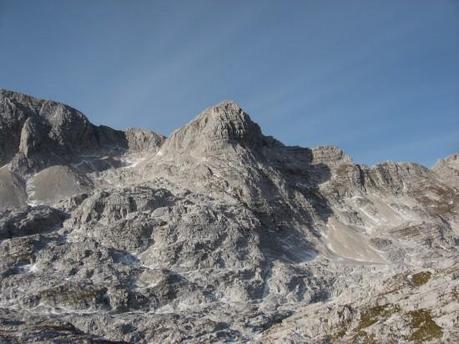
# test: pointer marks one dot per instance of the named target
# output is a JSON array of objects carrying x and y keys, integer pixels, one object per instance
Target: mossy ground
[
  {"x": 364, "y": 338},
  {"x": 421, "y": 278},
  {"x": 425, "y": 328},
  {"x": 376, "y": 313}
]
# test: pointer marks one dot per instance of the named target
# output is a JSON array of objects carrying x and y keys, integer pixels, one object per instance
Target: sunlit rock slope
[{"x": 216, "y": 234}]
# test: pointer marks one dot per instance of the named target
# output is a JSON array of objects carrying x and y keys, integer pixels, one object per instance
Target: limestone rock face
[
  {"x": 448, "y": 169},
  {"x": 29, "y": 221},
  {"x": 14, "y": 109},
  {"x": 12, "y": 190},
  {"x": 139, "y": 140},
  {"x": 216, "y": 127},
  {"x": 330, "y": 155},
  {"x": 39, "y": 132},
  {"x": 216, "y": 234},
  {"x": 36, "y": 133}
]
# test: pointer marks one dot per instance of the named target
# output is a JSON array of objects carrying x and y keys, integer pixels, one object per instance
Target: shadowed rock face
[
  {"x": 12, "y": 190},
  {"x": 29, "y": 221},
  {"x": 216, "y": 234},
  {"x": 36, "y": 133}
]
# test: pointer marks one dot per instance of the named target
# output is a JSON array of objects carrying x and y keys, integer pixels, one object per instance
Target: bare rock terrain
[{"x": 216, "y": 234}]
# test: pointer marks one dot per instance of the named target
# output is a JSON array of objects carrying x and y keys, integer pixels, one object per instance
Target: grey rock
[
  {"x": 448, "y": 169},
  {"x": 216, "y": 234},
  {"x": 37, "y": 133},
  {"x": 139, "y": 140},
  {"x": 12, "y": 190},
  {"x": 28, "y": 221}
]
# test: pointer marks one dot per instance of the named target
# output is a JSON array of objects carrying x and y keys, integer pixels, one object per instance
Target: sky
[{"x": 380, "y": 79}]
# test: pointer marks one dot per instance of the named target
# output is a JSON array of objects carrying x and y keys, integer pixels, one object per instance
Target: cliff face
[
  {"x": 448, "y": 169},
  {"x": 36, "y": 133},
  {"x": 216, "y": 234}
]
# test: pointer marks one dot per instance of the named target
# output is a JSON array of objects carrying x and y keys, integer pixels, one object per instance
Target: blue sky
[{"x": 378, "y": 78}]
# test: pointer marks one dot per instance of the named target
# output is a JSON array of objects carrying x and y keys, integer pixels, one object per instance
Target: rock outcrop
[
  {"x": 216, "y": 234},
  {"x": 12, "y": 190},
  {"x": 36, "y": 133},
  {"x": 140, "y": 140},
  {"x": 448, "y": 169}
]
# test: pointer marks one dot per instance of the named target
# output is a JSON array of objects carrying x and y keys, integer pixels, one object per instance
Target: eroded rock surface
[
  {"x": 448, "y": 169},
  {"x": 12, "y": 190},
  {"x": 216, "y": 234}
]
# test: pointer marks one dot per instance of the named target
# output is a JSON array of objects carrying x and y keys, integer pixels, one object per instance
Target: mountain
[
  {"x": 217, "y": 233},
  {"x": 448, "y": 169}
]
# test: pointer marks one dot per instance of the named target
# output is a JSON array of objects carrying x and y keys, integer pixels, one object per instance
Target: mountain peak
[
  {"x": 448, "y": 169},
  {"x": 227, "y": 104},
  {"x": 36, "y": 133},
  {"x": 228, "y": 120},
  {"x": 225, "y": 123}
]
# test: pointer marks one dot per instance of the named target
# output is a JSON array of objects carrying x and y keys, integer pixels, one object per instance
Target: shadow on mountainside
[{"x": 297, "y": 214}]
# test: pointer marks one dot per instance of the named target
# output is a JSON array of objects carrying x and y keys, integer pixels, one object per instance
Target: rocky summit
[{"x": 216, "y": 234}]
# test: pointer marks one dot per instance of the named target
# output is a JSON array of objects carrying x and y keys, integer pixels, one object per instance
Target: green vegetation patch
[
  {"x": 426, "y": 328},
  {"x": 421, "y": 278},
  {"x": 364, "y": 338},
  {"x": 376, "y": 313},
  {"x": 343, "y": 326},
  {"x": 455, "y": 293}
]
